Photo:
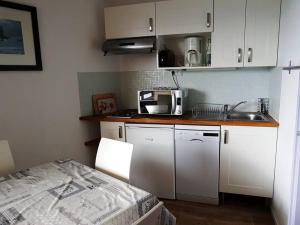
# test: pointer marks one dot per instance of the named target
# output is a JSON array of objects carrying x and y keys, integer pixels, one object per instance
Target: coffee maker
[{"x": 194, "y": 51}]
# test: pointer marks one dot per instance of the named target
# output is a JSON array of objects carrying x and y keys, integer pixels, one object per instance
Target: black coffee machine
[{"x": 166, "y": 58}]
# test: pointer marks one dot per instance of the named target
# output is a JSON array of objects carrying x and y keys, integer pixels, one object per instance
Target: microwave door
[{"x": 160, "y": 102}]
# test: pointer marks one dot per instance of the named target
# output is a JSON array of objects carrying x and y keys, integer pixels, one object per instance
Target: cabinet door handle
[
  {"x": 120, "y": 132},
  {"x": 226, "y": 132},
  {"x": 240, "y": 55},
  {"x": 208, "y": 20},
  {"x": 250, "y": 55},
  {"x": 151, "y": 24}
]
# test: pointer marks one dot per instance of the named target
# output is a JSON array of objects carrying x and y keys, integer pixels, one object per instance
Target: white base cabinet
[
  {"x": 247, "y": 160},
  {"x": 113, "y": 130}
]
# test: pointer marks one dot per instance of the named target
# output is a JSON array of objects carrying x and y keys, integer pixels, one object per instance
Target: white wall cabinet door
[
  {"x": 262, "y": 32},
  {"x": 228, "y": 36},
  {"x": 184, "y": 17},
  {"x": 247, "y": 160},
  {"x": 137, "y": 20},
  {"x": 113, "y": 130}
]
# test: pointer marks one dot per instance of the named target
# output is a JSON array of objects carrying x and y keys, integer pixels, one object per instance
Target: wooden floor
[{"x": 235, "y": 210}]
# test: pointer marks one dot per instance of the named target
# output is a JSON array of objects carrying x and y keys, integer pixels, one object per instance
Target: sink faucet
[{"x": 226, "y": 111}]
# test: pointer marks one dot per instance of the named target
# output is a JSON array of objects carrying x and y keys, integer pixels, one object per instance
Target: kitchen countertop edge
[{"x": 181, "y": 121}]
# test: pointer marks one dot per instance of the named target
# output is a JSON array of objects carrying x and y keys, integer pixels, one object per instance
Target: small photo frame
[{"x": 104, "y": 104}]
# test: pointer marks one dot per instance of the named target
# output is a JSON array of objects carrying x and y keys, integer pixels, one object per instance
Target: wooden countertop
[{"x": 183, "y": 120}]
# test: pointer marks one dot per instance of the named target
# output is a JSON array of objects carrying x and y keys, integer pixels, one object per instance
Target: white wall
[
  {"x": 275, "y": 93},
  {"x": 295, "y": 214},
  {"x": 288, "y": 50},
  {"x": 285, "y": 147},
  {"x": 39, "y": 110}
]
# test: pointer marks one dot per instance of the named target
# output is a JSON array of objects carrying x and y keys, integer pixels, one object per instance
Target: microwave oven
[{"x": 162, "y": 102}]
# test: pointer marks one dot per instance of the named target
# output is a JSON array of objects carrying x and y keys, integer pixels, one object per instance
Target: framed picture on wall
[
  {"x": 19, "y": 38},
  {"x": 104, "y": 104}
]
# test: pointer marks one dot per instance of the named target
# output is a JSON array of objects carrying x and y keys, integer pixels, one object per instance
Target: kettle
[{"x": 193, "y": 51}]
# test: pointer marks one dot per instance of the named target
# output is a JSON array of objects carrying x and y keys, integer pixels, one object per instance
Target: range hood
[{"x": 142, "y": 45}]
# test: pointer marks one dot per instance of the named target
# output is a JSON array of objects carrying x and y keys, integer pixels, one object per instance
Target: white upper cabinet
[
  {"x": 245, "y": 33},
  {"x": 137, "y": 20},
  {"x": 228, "y": 36},
  {"x": 262, "y": 32},
  {"x": 184, "y": 17},
  {"x": 247, "y": 160}
]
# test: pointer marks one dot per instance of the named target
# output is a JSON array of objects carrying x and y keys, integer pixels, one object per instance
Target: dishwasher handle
[{"x": 195, "y": 139}]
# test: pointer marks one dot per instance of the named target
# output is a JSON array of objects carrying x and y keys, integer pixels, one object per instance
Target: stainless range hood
[{"x": 142, "y": 45}]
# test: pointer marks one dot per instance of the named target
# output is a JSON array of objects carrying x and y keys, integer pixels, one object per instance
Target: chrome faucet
[{"x": 226, "y": 111}]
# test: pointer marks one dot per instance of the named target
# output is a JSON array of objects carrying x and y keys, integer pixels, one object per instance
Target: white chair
[
  {"x": 114, "y": 158},
  {"x": 7, "y": 164}
]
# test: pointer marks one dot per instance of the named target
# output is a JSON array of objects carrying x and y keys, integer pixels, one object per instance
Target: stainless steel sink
[{"x": 246, "y": 116}]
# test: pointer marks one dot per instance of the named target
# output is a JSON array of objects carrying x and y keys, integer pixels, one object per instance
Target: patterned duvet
[{"x": 69, "y": 193}]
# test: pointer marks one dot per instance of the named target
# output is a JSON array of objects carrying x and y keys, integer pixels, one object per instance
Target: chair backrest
[
  {"x": 7, "y": 164},
  {"x": 114, "y": 158}
]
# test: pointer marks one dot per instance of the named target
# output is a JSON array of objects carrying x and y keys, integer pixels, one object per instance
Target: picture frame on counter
[
  {"x": 104, "y": 104},
  {"x": 19, "y": 38}
]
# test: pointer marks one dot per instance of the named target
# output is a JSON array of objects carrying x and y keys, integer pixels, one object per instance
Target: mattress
[{"x": 66, "y": 192}]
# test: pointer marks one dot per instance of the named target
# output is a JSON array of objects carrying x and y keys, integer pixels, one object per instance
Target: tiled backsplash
[
  {"x": 225, "y": 87},
  {"x": 131, "y": 82},
  {"x": 90, "y": 84}
]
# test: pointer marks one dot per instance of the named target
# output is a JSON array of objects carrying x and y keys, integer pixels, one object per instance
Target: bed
[{"x": 66, "y": 192}]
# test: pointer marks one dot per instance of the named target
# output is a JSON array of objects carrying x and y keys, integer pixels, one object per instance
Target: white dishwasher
[
  {"x": 197, "y": 151},
  {"x": 153, "y": 158}
]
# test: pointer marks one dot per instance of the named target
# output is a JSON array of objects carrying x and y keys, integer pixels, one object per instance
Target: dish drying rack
[{"x": 208, "y": 111}]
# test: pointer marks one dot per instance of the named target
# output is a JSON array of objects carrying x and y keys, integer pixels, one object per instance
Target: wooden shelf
[
  {"x": 92, "y": 118},
  {"x": 93, "y": 142}
]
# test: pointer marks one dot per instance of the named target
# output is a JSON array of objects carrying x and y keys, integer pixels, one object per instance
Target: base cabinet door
[
  {"x": 247, "y": 160},
  {"x": 113, "y": 130}
]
